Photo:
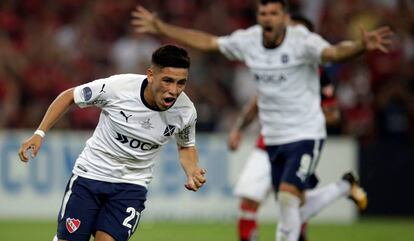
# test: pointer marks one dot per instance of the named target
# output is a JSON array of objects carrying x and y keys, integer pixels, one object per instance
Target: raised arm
[
  {"x": 189, "y": 162},
  {"x": 145, "y": 21},
  {"x": 246, "y": 116},
  {"x": 379, "y": 39},
  {"x": 53, "y": 113}
]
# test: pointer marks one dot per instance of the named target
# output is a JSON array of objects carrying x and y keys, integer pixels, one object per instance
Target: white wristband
[{"x": 40, "y": 133}]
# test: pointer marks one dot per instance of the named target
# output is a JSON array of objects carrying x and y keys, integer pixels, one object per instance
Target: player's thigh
[
  {"x": 102, "y": 236},
  {"x": 301, "y": 160},
  {"x": 78, "y": 211},
  {"x": 255, "y": 181},
  {"x": 120, "y": 216},
  {"x": 277, "y": 164}
]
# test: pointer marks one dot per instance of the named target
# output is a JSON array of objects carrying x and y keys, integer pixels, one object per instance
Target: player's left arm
[
  {"x": 379, "y": 39},
  {"x": 189, "y": 162}
]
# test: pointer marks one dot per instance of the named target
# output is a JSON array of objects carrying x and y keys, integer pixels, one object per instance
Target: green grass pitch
[{"x": 365, "y": 230}]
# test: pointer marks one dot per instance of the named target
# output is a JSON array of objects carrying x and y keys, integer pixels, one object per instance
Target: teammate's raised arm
[
  {"x": 379, "y": 39},
  {"x": 145, "y": 21},
  {"x": 55, "y": 110}
]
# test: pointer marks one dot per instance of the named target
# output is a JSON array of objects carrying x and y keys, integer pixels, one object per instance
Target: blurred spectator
[
  {"x": 47, "y": 46},
  {"x": 131, "y": 54},
  {"x": 395, "y": 112}
]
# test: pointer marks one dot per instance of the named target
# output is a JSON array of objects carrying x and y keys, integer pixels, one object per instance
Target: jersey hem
[
  {"x": 109, "y": 179},
  {"x": 281, "y": 141}
]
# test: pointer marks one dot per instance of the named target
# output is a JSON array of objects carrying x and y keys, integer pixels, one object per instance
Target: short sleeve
[
  {"x": 231, "y": 45},
  {"x": 95, "y": 93},
  {"x": 186, "y": 136},
  {"x": 313, "y": 46}
]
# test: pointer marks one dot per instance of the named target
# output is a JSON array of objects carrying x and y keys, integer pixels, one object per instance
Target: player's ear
[
  {"x": 287, "y": 18},
  {"x": 150, "y": 74}
]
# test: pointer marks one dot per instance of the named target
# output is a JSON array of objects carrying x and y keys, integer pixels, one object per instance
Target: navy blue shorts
[
  {"x": 295, "y": 163},
  {"x": 89, "y": 205}
]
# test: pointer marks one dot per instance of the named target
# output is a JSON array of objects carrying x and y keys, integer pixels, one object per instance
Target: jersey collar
[{"x": 143, "y": 86}]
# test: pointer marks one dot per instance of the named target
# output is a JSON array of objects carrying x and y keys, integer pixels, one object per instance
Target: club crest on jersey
[
  {"x": 86, "y": 93},
  {"x": 285, "y": 58},
  {"x": 72, "y": 224},
  {"x": 169, "y": 130},
  {"x": 146, "y": 124}
]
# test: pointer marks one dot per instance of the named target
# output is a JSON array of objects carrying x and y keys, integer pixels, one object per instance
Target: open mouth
[
  {"x": 267, "y": 29},
  {"x": 169, "y": 101}
]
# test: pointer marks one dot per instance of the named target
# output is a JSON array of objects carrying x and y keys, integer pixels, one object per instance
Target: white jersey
[
  {"x": 129, "y": 133},
  {"x": 287, "y": 81}
]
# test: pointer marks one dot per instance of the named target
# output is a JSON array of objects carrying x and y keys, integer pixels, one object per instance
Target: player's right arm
[
  {"x": 145, "y": 21},
  {"x": 189, "y": 162},
  {"x": 247, "y": 115},
  {"x": 53, "y": 113}
]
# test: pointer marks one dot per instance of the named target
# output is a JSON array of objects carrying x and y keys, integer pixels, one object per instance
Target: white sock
[
  {"x": 288, "y": 228},
  {"x": 55, "y": 238},
  {"x": 317, "y": 199}
]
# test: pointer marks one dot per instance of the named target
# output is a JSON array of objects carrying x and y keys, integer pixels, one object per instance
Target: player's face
[
  {"x": 273, "y": 19},
  {"x": 164, "y": 86}
]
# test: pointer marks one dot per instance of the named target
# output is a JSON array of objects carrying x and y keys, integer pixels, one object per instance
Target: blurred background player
[
  {"x": 140, "y": 113},
  {"x": 254, "y": 183},
  {"x": 284, "y": 61}
]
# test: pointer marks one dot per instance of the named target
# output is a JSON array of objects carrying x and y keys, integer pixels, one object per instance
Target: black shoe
[{"x": 357, "y": 193}]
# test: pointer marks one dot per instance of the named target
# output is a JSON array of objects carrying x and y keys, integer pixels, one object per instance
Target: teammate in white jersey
[
  {"x": 284, "y": 60},
  {"x": 140, "y": 113},
  {"x": 254, "y": 183}
]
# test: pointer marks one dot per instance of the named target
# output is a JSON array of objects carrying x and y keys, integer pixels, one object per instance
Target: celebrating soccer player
[{"x": 140, "y": 113}]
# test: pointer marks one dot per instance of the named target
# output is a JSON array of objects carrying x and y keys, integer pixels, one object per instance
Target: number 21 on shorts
[{"x": 132, "y": 213}]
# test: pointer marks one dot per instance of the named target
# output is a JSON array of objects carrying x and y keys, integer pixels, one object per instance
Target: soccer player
[
  {"x": 254, "y": 183},
  {"x": 284, "y": 61},
  {"x": 140, "y": 113}
]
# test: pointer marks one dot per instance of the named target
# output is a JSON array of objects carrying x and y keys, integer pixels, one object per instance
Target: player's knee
[
  {"x": 249, "y": 204},
  {"x": 289, "y": 188},
  {"x": 288, "y": 200}
]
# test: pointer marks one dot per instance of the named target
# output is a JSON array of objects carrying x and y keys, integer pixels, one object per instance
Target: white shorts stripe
[
  {"x": 315, "y": 158},
  {"x": 67, "y": 195}
]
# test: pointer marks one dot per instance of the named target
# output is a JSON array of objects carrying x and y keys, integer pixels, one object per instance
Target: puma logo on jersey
[
  {"x": 135, "y": 143},
  {"x": 102, "y": 90},
  {"x": 126, "y": 117}
]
